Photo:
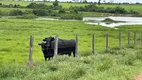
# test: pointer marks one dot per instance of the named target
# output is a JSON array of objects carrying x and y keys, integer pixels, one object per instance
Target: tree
[
  {"x": 55, "y": 3},
  {"x": 44, "y": 0},
  {"x": 84, "y": 1},
  {"x": 99, "y": 2}
]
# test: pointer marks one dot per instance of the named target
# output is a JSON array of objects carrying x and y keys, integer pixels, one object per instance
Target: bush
[
  {"x": 74, "y": 11},
  {"x": 40, "y": 12},
  {"x": 133, "y": 12},
  {"x": 118, "y": 9},
  {"x": 54, "y": 13},
  {"x": 28, "y": 16},
  {"x": 94, "y": 8},
  {"x": 28, "y": 12},
  {"x": 16, "y": 12},
  {"x": 37, "y": 6},
  {"x": 62, "y": 11},
  {"x": 55, "y": 3}
]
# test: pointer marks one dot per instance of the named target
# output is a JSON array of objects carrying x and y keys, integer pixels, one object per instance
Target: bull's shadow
[{"x": 64, "y": 47}]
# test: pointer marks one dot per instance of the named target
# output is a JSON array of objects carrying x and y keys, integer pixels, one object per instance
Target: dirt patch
[{"x": 139, "y": 77}]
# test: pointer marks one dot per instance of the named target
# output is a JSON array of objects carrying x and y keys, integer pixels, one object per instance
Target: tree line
[{"x": 41, "y": 9}]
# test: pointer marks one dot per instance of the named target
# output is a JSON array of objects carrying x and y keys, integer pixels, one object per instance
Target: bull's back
[{"x": 64, "y": 43}]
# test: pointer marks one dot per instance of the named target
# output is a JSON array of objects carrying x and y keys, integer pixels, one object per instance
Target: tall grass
[{"x": 104, "y": 66}]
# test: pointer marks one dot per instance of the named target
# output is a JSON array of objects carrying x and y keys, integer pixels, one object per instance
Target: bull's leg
[
  {"x": 69, "y": 54},
  {"x": 73, "y": 53},
  {"x": 45, "y": 58}
]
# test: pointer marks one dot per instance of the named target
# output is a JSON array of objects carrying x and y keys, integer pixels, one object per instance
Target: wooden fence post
[
  {"x": 56, "y": 45},
  {"x": 134, "y": 38},
  {"x": 76, "y": 47},
  {"x": 128, "y": 38},
  {"x": 120, "y": 40},
  {"x": 30, "y": 63},
  {"x": 106, "y": 41},
  {"x": 93, "y": 42}
]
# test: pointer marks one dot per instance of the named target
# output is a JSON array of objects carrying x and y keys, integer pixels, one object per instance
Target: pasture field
[
  {"x": 135, "y": 7},
  {"x": 114, "y": 64},
  {"x": 24, "y": 3},
  {"x": 128, "y": 7}
]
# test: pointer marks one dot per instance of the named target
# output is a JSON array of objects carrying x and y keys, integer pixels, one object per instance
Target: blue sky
[{"x": 120, "y": 1}]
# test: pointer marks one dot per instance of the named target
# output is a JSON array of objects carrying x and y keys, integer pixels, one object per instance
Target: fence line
[{"x": 93, "y": 44}]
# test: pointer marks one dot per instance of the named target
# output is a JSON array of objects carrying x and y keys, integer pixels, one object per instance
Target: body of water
[{"x": 124, "y": 21}]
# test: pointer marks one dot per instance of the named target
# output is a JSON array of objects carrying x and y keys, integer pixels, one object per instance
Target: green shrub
[
  {"x": 120, "y": 10},
  {"x": 61, "y": 11},
  {"x": 37, "y": 6},
  {"x": 40, "y": 12},
  {"x": 74, "y": 11},
  {"x": 55, "y": 3},
  {"x": 27, "y": 16},
  {"x": 16, "y": 12}
]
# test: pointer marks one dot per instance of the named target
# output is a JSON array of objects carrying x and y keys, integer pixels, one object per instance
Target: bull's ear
[
  {"x": 44, "y": 39},
  {"x": 39, "y": 43}
]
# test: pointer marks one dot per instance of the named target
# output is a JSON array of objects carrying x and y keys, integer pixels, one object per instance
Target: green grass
[
  {"x": 128, "y": 7},
  {"x": 24, "y": 3},
  {"x": 125, "y": 65},
  {"x": 114, "y": 64},
  {"x": 15, "y": 35}
]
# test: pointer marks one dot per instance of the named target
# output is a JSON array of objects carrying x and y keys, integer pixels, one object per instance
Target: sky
[{"x": 115, "y": 1}]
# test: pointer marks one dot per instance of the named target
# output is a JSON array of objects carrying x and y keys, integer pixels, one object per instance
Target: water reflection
[{"x": 125, "y": 21}]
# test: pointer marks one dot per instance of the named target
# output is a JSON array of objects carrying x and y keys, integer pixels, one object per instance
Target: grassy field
[
  {"x": 15, "y": 36},
  {"x": 128, "y": 7},
  {"x": 114, "y": 64},
  {"x": 122, "y": 64},
  {"x": 24, "y": 3}
]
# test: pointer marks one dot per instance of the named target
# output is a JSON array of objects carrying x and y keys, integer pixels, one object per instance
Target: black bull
[{"x": 64, "y": 47}]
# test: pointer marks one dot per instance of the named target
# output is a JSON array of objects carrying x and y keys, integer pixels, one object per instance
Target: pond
[{"x": 122, "y": 21}]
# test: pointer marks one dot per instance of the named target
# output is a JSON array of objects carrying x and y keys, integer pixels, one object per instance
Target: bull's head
[
  {"x": 48, "y": 41},
  {"x": 43, "y": 45}
]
